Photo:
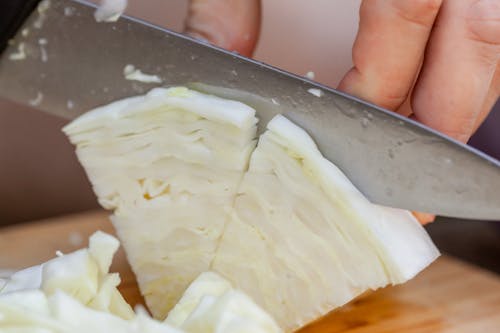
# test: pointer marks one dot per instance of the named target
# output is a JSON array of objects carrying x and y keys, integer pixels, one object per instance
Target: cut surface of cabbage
[
  {"x": 168, "y": 164},
  {"x": 303, "y": 240},
  {"x": 191, "y": 192}
]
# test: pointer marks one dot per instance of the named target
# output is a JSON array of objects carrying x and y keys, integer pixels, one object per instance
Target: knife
[{"x": 57, "y": 58}]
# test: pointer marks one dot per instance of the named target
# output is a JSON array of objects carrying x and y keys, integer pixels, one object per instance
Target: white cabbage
[
  {"x": 75, "y": 293},
  {"x": 303, "y": 240},
  {"x": 191, "y": 193},
  {"x": 211, "y": 305},
  {"x": 110, "y": 10},
  {"x": 207, "y": 284},
  {"x": 83, "y": 275},
  {"x": 169, "y": 164}
]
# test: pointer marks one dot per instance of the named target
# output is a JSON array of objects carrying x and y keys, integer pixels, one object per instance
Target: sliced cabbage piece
[
  {"x": 35, "y": 311},
  {"x": 83, "y": 275},
  {"x": 208, "y": 284},
  {"x": 73, "y": 293},
  {"x": 212, "y": 305},
  {"x": 303, "y": 240},
  {"x": 67, "y": 311},
  {"x": 168, "y": 164},
  {"x": 191, "y": 193},
  {"x": 209, "y": 305}
]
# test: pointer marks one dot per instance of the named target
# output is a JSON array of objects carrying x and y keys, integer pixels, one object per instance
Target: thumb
[{"x": 230, "y": 24}]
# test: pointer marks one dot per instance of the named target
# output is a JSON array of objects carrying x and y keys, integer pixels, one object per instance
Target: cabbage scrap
[
  {"x": 82, "y": 274},
  {"x": 71, "y": 293},
  {"x": 210, "y": 304},
  {"x": 75, "y": 293}
]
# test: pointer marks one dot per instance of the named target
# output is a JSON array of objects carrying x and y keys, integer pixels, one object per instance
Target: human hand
[
  {"x": 230, "y": 24},
  {"x": 441, "y": 69},
  {"x": 436, "y": 61}
]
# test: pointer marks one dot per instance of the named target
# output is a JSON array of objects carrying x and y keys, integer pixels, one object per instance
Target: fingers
[
  {"x": 424, "y": 218},
  {"x": 389, "y": 49},
  {"x": 230, "y": 24},
  {"x": 459, "y": 66}
]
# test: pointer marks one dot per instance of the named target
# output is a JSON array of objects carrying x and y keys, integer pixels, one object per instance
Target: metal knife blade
[{"x": 72, "y": 64}]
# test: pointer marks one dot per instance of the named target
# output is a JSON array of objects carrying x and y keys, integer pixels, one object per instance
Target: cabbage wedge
[{"x": 191, "y": 192}]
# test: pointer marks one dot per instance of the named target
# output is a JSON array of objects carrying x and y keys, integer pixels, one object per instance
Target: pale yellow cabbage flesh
[
  {"x": 190, "y": 192},
  {"x": 75, "y": 293}
]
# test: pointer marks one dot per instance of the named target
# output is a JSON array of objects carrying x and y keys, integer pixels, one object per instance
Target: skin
[{"x": 437, "y": 61}]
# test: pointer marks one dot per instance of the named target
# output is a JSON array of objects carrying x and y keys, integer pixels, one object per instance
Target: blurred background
[{"x": 41, "y": 177}]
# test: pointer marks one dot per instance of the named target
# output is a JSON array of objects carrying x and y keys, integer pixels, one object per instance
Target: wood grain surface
[{"x": 450, "y": 296}]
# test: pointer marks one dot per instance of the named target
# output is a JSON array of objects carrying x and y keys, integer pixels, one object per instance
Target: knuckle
[{"x": 483, "y": 22}]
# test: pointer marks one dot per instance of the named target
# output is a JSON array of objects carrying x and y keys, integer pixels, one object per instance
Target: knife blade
[{"x": 63, "y": 62}]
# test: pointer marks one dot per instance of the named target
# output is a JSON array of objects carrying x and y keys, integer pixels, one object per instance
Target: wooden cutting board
[{"x": 450, "y": 296}]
